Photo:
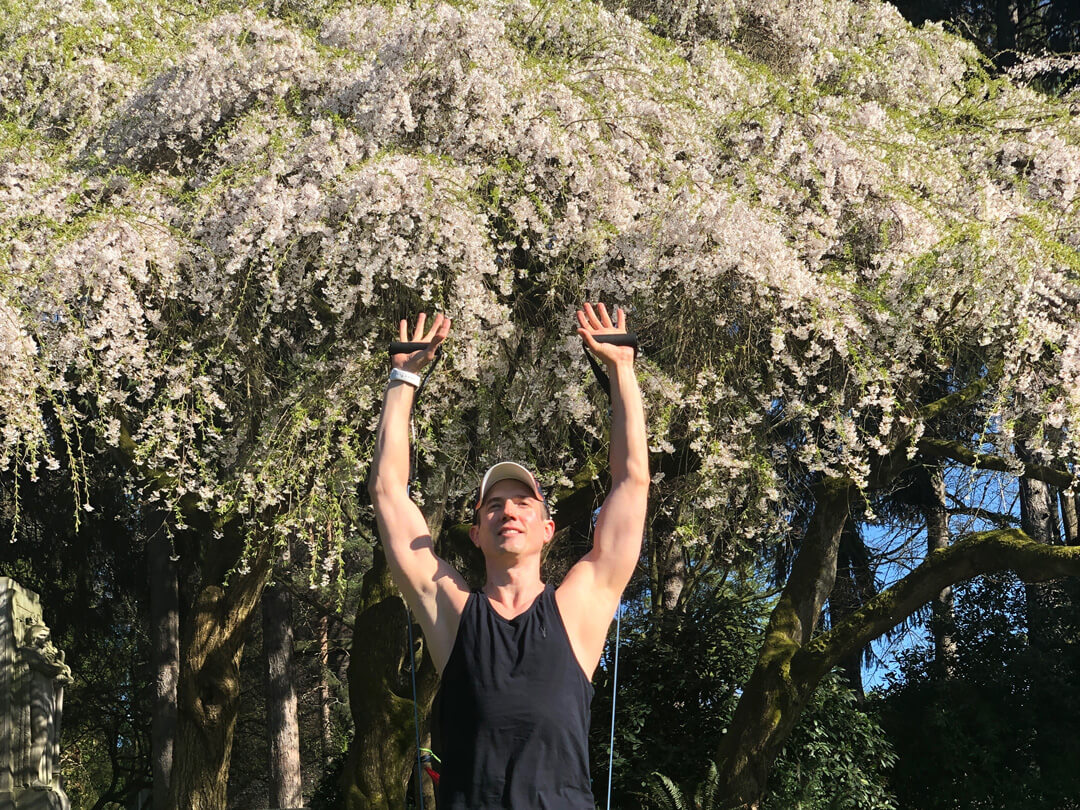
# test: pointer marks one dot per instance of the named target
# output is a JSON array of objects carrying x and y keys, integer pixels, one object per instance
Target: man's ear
[
  {"x": 472, "y": 534},
  {"x": 549, "y": 531}
]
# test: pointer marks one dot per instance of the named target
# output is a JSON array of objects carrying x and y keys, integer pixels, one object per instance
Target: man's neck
[{"x": 514, "y": 588}]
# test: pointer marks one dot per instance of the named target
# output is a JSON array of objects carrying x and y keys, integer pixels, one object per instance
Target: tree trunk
[
  {"x": 672, "y": 573},
  {"x": 164, "y": 661},
  {"x": 847, "y": 596},
  {"x": 772, "y": 698},
  {"x": 1037, "y": 520},
  {"x": 937, "y": 537},
  {"x": 1069, "y": 518},
  {"x": 1005, "y": 23},
  {"x": 1037, "y": 511},
  {"x": 325, "y": 729},
  {"x": 382, "y": 756},
  {"x": 209, "y": 687},
  {"x": 281, "y": 721},
  {"x": 667, "y": 565}
]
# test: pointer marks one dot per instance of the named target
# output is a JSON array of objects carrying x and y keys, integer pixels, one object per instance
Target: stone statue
[{"x": 32, "y": 678}]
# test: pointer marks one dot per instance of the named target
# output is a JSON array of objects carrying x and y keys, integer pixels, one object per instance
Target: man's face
[{"x": 511, "y": 520}]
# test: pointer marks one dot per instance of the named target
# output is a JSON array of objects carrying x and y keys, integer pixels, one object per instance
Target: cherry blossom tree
[{"x": 846, "y": 248}]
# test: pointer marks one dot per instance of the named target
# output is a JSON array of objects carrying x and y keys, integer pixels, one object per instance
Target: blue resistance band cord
[{"x": 614, "y": 693}]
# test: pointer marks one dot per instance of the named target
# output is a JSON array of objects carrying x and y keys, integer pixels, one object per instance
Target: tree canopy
[{"x": 814, "y": 210}]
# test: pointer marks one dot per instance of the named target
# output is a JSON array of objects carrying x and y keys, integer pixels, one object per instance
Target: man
[{"x": 516, "y": 657}]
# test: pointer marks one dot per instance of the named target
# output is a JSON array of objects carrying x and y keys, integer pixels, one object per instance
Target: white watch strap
[{"x": 404, "y": 376}]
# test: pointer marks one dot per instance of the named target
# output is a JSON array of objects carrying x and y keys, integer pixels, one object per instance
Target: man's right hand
[{"x": 435, "y": 335}]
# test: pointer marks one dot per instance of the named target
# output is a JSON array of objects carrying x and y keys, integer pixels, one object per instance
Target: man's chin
[{"x": 512, "y": 543}]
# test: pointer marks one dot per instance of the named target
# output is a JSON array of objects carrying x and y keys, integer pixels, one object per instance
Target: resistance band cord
[{"x": 614, "y": 693}]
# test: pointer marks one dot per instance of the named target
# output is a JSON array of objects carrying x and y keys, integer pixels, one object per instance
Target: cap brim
[{"x": 504, "y": 471}]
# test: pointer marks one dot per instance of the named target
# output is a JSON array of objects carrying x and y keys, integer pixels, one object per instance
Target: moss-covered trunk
[
  {"x": 383, "y": 752},
  {"x": 209, "y": 687},
  {"x": 770, "y": 705},
  {"x": 788, "y": 670},
  {"x": 774, "y": 696}
]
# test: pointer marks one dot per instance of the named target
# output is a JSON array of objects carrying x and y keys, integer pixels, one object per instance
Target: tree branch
[
  {"x": 888, "y": 467},
  {"x": 1003, "y": 520},
  {"x": 964, "y": 396},
  {"x": 304, "y": 594},
  {"x": 813, "y": 572},
  {"x": 958, "y": 451},
  {"x": 978, "y": 554}
]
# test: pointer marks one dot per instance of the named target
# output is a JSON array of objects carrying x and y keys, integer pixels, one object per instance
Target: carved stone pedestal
[
  {"x": 36, "y": 799},
  {"x": 32, "y": 678}
]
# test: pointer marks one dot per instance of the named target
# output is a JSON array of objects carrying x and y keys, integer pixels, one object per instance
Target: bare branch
[{"x": 1002, "y": 519}]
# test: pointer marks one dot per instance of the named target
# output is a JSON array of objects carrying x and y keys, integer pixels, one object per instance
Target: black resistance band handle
[
  {"x": 401, "y": 347},
  {"x": 623, "y": 339},
  {"x": 626, "y": 339}
]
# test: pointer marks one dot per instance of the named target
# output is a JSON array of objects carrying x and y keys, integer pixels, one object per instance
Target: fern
[
  {"x": 705, "y": 795},
  {"x": 666, "y": 795}
]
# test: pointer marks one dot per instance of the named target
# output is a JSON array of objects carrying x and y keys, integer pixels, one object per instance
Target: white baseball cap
[{"x": 509, "y": 470}]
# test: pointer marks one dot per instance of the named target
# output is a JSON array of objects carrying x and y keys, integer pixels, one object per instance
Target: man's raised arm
[
  {"x": 592, "y": 589},
  {"x": 434, "y": 590}
]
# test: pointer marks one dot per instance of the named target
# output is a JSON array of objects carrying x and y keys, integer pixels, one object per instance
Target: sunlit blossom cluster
[{"x": 816, "y": 216}]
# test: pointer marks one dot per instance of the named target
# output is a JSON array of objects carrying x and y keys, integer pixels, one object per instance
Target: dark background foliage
[
  {"x": 1008, "y": 30},
  {"x": 1004, "y": 730},
  {"x": 678, "y": 685}
]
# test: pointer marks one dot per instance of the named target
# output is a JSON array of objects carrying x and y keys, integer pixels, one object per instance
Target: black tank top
[{"x": 512, "y": 715}]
